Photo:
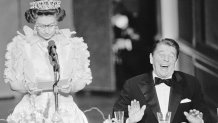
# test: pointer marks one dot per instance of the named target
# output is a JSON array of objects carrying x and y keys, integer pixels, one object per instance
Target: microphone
[{"x": 53, "y": 56}]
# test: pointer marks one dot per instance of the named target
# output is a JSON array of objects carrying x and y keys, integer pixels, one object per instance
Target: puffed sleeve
[
  {"x": 81, "y": 73},
  {"x": 14, "y": 73}
]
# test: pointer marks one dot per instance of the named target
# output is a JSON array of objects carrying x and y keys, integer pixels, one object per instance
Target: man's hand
[
  {"x": 194, "y": 116},
  {"x": 135, "y": 112}
]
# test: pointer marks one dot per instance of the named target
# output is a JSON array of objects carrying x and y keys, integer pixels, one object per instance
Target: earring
[
  {"x": 57, "y": 30},
  {"x": 34, "y": 30}
]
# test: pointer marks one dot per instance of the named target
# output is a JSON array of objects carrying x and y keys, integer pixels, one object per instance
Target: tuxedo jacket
[{"x": 185, "y": 94}]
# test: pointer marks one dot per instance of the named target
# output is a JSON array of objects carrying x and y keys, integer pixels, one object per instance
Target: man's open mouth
[{"x": 164, "y": 66}]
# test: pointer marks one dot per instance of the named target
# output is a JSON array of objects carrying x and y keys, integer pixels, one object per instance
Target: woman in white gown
[{"x": 29, "y": 71}]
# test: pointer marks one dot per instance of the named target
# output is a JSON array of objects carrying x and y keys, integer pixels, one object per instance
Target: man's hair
[{"x": 166, "y": 41}]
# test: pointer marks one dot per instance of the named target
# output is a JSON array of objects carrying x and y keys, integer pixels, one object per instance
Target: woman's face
[{"x": 46, "y": 26}]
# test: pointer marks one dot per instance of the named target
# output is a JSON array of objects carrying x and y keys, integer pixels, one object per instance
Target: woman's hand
[
  {"x": 32, "y": 88},
  {"x": 65, "y": 90},
  {"x": 135, "y": 112}
]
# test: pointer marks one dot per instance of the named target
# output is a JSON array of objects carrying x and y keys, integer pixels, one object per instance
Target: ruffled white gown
[{"x": 28, "y": 62}]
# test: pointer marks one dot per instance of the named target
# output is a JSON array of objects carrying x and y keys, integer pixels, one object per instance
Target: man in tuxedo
[{"x": 163, "y": 90}]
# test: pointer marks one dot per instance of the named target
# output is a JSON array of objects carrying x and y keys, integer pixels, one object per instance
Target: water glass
[
  {"x": 119, "y": 116},
  {"x": 163, "y": 118}
]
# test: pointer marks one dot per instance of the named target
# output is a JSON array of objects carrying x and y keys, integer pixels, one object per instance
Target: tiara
[{"x": 45, "y": 4}]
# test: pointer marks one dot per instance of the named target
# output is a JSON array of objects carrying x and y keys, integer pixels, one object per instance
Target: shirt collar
[{"x": 155, "y": 75}]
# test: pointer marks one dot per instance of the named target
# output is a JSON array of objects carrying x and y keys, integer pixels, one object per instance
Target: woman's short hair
[
  {"x": 32, "y": 14},
  {"x": 166, "y": 41}
]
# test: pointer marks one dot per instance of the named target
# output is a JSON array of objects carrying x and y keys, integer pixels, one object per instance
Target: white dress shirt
[{"x": 163, "y": 94}]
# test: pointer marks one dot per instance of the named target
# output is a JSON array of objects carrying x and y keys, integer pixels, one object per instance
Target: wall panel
[
  {"x": 92, "y": 21},
  {"x": 8, "y": 27}
]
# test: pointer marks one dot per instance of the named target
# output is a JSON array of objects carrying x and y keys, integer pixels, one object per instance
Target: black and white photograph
[{"x": 109, "y": 61}]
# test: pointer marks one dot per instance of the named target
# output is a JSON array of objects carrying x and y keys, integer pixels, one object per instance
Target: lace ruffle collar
[{"x": 33, "y": 38}]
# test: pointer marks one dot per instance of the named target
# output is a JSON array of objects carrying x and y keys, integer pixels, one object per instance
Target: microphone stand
[
  {"x": 53, "y": 58},
  {"x": 55, "y": 89},
  {"x": 56, "y": 117}
]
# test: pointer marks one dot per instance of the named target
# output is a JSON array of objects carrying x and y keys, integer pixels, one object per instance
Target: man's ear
[
  {"x": 151, "y": 58},
  {"x": 176, "y": 63}
]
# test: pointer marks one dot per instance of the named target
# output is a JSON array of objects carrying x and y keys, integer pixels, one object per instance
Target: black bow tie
[{"x": 168, "y": 82}]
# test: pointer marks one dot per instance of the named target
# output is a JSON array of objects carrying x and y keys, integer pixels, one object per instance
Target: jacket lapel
[
  {"x": 175, "y": 94},
  {"x": 148, "y": 90}
]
